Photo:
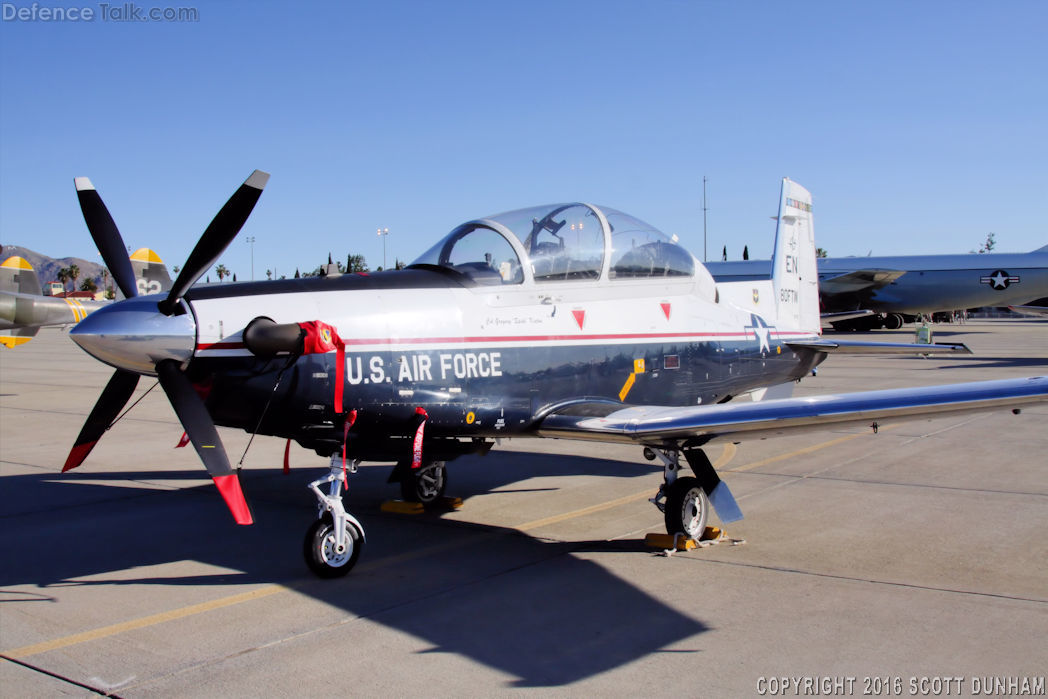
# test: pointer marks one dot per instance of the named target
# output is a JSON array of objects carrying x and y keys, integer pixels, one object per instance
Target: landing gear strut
[
  {"x": 333, "y": 543},
  {"x": 681, "y": 499}
]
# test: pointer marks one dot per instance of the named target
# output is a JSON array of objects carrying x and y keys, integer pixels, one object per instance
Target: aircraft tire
[
  {"x": 319, "y": 548},
  {"x": 687, "y": 508},
  {"x": 893, "y": 321},
  {"x": 426, "y": 484}
]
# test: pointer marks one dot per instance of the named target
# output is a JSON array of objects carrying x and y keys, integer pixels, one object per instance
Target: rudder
[{"x": 795, "y": 276}]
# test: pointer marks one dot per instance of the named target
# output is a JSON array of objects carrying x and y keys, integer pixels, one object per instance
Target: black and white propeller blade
[
  {"x": 113, "y": 399},
  {"x": 219, "y": 234},
  {"x": 202, "y": 433},
  {"x": 106, "y": 236}
]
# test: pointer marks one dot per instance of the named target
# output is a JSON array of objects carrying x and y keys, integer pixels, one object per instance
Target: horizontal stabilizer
[{"x": 852, "y": 347}]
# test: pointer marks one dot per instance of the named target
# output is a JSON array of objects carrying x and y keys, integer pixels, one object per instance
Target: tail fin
[
  {"x": 795, "y": 277},
  {"x": 150, "y": 272},
  {"x": 17, "y": 275}
]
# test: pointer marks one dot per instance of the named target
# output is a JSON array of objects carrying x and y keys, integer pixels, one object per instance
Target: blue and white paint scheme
[{"x": 569, "y": 320}]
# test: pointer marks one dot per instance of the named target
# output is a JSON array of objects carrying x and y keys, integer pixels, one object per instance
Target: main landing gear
[
  {"x": 333, "y": 543},
  {"x": 681, "y": 499},
  {"x": 425, "y": 484}
]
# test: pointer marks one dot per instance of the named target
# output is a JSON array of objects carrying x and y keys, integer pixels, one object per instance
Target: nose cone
[{"x": 134, "y": 335}]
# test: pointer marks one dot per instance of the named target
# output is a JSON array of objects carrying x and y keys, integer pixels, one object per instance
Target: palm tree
[
  {"x": 74, "y": 272},
  {"x": 222, "y": 272},
  {"x": 63, "y": 276}
]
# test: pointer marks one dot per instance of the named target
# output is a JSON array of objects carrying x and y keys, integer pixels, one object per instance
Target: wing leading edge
[{"x": 698, "y": 425}]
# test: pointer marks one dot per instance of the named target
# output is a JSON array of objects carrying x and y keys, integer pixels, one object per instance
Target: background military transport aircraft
[
  {"x": 895, "y": 289},
  {"x": 570, "y": 320},
  {"x": 24, "y": 309}
]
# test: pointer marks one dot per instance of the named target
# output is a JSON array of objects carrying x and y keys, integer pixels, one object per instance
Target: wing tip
[{"x": 83, "y": 184}]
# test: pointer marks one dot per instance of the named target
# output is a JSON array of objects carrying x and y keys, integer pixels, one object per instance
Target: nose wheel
[
  {"x": 325, "y": 555},
  {"x": 333, "y": 543}
]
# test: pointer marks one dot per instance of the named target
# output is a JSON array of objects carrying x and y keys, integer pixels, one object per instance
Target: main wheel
[
  {"x": 687, "y": 508},
  {"x": 425, "y": 484},
  {"x": 321, "y": 552},
  {"x": 893, "y": 321}
]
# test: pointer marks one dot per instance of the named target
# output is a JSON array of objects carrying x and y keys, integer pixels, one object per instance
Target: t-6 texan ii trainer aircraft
[{"x": 570, "y": 320}]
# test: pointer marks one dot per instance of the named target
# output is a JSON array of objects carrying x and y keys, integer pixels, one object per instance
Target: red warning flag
[
  {"x": 350, "y": 419},
  {"x": 416, "y": 451},
  {"x": 321, "y": 338}
]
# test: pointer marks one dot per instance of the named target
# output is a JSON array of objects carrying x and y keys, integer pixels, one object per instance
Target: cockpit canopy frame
[{"x": 573, "y": 242}]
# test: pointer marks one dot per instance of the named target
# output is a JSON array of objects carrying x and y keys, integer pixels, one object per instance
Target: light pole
[
  {"x": 382, "y": 233},
  {"x": 251, "y": 241}
]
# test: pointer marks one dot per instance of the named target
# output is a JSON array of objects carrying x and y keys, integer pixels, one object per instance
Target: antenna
[{"x": 704, "y": 209}]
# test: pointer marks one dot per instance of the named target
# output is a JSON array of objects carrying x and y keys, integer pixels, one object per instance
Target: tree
[
  {"x": 176, "y": 269},
  {"x": 356, "y": 263},
  {"x": 74, "y": 272},
  {"x": 297, "y": 275},
  {"x": 89, "y": 284},
  {"x": 745, "y": 252},
  {"x": 724, "y": 254},
  {"x": 234, "y": 276},
  {"x": 821, "y": 252},
  {"x": 222, "y": 272},
  {"x": 269, "y": 274},
  {"x": 63, "y": 276},
  {"x": 990, "y": 244},
  {"x": 399, "y": 265}
]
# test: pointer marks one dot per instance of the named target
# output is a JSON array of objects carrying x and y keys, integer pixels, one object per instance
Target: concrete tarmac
[{"x": 883, "y": 564}]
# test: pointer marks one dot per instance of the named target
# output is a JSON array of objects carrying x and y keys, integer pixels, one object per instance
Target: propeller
[
  {"x": 114, "y": 397},
  {"x": 217, "y": 237},
  {"x": 136, "y": 334},
  {"x": 193, "y": 415},
  {"x": 106, "y": 236}
]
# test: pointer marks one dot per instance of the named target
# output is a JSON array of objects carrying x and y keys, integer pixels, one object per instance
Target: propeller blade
[
  {"x": 219, "y": 234},
  {"x": 201, "y": 430},
  {"x": 113, "y": 399},
  {"x": 106, "y": 236}
]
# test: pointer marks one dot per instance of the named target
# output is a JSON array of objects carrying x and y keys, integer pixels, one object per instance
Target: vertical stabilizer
[
  {"x": 795, "y": 276},
  {"x": 17, "y": 275}
]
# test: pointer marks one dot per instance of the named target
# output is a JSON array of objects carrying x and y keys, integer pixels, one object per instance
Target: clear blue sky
[{"x": 919, "y": 127}]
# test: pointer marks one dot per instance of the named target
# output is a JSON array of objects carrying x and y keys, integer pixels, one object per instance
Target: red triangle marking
[
  {"x": 666, "y": 309},
  {"x": 580, "y": 317}
]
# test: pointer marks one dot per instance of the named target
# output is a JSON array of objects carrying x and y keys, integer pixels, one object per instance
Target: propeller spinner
[{"x": 141, "y": 336}]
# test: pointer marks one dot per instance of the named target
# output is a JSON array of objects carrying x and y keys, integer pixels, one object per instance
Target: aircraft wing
[
  {"x": 837, "y": 316},
  {"x": 860, "y": 279},
  {"x": 857, "y": 347},
  {"x": 1032, "y": 310},
  {"x": 737, "y": 422}
]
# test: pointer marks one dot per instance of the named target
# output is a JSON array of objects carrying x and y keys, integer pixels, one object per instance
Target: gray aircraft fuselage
[{"x": 930, "y": 283}]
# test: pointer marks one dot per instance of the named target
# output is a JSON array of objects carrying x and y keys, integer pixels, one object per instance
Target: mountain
[{"x": 47, "y": 267}]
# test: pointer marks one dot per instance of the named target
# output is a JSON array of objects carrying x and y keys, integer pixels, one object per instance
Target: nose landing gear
[{"x": 333, "y": 543}]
